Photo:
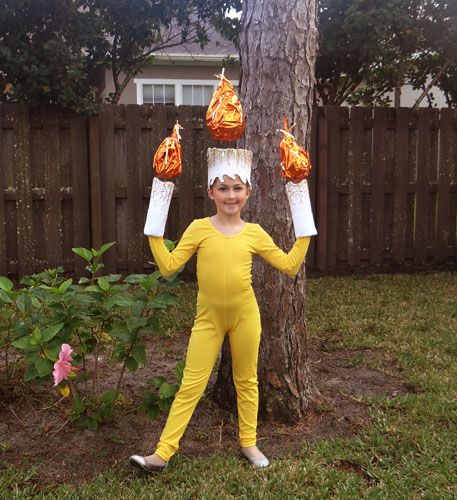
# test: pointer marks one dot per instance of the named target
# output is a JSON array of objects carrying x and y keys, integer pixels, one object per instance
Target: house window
[
  {"x": 197, "y": 95},
  {"x": 178, "y": 92},
  {"x": 158, "y": 94}
]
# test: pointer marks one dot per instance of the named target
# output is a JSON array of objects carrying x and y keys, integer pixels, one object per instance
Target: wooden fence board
[
  {"x": 444, "y": 185},
  {"x": 185, "y": 184},
  {"x": 107, "y": 185},
  {"x": 377, "y": 186},
  {"x": 322, "y": 156},
  {"x": 80, "y": 132},
  {"x": 355, "y": 184},
  {"x": 52, "y": 189},
  {"x": 134, "y": 189},
  {"x": 24, "y": 200},
  {"x": 332, "y": 115},
  {"x": 400, "y": 186},
  {"x": 95, "y": 182},
  {"x": 422, "y": 187}
]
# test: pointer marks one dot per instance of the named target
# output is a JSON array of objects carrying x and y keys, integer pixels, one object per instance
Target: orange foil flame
[
  {"x": 224, "y": 117},
  {"x": 167, "y": 160},
  {"x": 295, "y": 162}
]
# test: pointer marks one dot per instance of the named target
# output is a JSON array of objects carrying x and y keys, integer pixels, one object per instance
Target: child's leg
[
  {"x": 244, "y": 346},
  {"x": 204, "y": 346}
]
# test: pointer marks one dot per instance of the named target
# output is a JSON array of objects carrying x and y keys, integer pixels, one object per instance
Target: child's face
[{"x": 229, "y": 196}]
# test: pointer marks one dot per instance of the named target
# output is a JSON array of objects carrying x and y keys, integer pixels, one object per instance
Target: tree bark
[{"x": 278, "y": 51}]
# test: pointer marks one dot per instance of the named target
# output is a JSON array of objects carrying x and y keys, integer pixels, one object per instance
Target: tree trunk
[{"x": 278, "y": 51}]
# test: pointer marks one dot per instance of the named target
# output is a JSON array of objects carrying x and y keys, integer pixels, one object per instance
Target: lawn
[{"x": 401, "y": 326}]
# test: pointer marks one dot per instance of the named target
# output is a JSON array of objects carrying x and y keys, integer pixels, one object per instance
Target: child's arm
[
  {"x": 302, "y": 218},
  {"x": 170, "y": 262},
  {"x": 288, "y": 263},
  {"x": 159, "y": 204}
]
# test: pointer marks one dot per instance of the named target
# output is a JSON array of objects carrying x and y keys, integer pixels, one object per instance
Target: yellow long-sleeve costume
[{"x": 225, "y": 304}]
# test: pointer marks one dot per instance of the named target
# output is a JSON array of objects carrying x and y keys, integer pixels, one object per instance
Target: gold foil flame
[
  {"x": 224, "y": 117},
  {"x": 167, "y": 159},
  {"x": 295, "y": 162}
]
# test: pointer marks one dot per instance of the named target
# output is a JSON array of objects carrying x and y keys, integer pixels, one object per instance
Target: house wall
[
  {"x": 175, "y": 72},
  {"x": 409, "y": 96},
  {"x": 200, "y": 71}
]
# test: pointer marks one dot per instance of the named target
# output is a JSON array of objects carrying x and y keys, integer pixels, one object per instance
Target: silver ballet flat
[
  {"x": 257, "y": 462},
  {"x": 141, "y": 463}
]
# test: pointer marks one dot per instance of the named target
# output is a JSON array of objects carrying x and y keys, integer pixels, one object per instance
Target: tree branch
[{"x": 440, "y": 73}]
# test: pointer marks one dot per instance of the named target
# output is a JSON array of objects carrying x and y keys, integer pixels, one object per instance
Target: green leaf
[
  {"x": 151, "y": 281},
  {"x": 166, "y": 391},
  {"x": 156, "y": 381},
  {"x": 152, "y": 411},
  {"x": 36, "y": 334},
  {"x": 121, "y": 333},
  {"x": 83, "y": 252},
  {"x": 78, "y": 405},
  {"x": 20, "y": 329},
  {"x": 165, "y": 299},
  {"x": 169, "y": 244},
  {"x": 5, "y": 284},
  {"x": 36, "y": 303},
  {"x": 105, "y": 247},
  {"x": 113, "y": 277},
  {"x": 92, "y": 288},
  {"x": 103, "y": 283},
  {"x": 87, "y": 299},
  {"x": 51, "y": 331},
  {"x": 119, "y": 353},
  {"x": 139, "y": 353},
  {"x": 179, "y": 370},
  {"x": 121, "y": 300},
  {"x": 83, "y": 281},
  {"x": 30, "y": 373},
  {"x": 131, "y": 363},
  {"x": 65, "y": 285},
  {"x": 24, "y": 301},
  {"x": 109, "y": 397},
  {"x": 133, "y": 323},
  {"x": 43, "y": 366},
  {"x": 5, "y": 297},
  {"x": 134, "y": 279},
  {"x": 23, "y": 342},
  {"x": 92, "y": 424}
]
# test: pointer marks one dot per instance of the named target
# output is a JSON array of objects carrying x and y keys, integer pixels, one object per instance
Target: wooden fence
[{"x": 383, "y": 187}]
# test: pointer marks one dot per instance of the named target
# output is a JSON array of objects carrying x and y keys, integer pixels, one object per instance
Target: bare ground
[{"x": 36, "y": 431}]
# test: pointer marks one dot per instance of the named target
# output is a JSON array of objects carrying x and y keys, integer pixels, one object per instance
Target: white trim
[
  {"x": 178, "y": 84},
  {"x": 216, "y": 58}
]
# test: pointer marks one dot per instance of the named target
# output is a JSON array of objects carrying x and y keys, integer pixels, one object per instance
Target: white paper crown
[{"x": 230, "y": 162}]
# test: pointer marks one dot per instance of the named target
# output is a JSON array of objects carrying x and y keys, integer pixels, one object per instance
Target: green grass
[{"x": 407, "y": 451}]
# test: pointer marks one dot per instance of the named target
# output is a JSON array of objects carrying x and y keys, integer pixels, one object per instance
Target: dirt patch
[{"x": 36, "y": 431}]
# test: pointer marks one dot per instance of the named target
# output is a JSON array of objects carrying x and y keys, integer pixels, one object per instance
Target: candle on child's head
[{"x": 224, "y": 117}]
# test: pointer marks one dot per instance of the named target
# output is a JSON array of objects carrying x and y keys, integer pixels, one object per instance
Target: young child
[{"x": 226, "y": 303}]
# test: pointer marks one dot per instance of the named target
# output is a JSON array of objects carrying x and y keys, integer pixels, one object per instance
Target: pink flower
[{"x": 63, "y": 365}]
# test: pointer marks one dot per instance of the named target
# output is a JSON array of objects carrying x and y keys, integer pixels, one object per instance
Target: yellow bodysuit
[{"x": 226, "y": 304}]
